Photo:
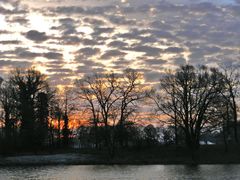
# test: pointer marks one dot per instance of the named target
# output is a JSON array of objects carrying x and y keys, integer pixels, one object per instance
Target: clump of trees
[
  {"x": 112, "y": 100},
  {"x": 27, "y": 102},
  {"x": 192, "y": 103},
  {"x": 197, "y": 100}
]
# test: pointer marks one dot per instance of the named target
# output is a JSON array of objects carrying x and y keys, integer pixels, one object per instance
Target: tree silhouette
[
  {"x": 231, "y": 84},
  {"x": 42, "y": 114},
  {"x": 190, "y": 97},
  {"x": 27, "y": 85},
  {"x": 112, "y": 99},
  {"x": 8, "y": 102}
]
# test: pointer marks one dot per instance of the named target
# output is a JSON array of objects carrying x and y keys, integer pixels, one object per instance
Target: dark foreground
[{"x": 159, "y": 155}]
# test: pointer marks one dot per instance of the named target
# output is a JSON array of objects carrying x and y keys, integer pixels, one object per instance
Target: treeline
[
  {"x": 188, "y": 104},
  {"x": 28, "y": 107}
]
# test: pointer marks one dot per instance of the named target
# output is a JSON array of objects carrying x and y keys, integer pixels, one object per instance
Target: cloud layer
[{"x": 67, "y": 39}]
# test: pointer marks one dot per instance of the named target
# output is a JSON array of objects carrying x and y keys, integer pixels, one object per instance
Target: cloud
[
  {"x": 14, "y": 63},
  {"x": 161, "y": 34},
  {"x": 205, "y": 7},
  {"x": 11, "y": 7},
  {"x": 87, "y": 10},
  {"x": 89, "y": 70},
  {"x": 148, "y": 50},
  {"x": 25, "y": 54},
  {"x": 148, "y": 39},
  {"x": 100, "y": 30},
  {"x": 155, "y": 61},
  {"x": 92, "y": 63},
  {"x": 90, "y": 42},
  {"x": 59, "y": 70},
  {"x": 99, "y": 10},
  {"x": 10, "y": 42},
  {"x": 5, "y": 32},
  {"x": 68, "y": 26},
  {"x": 70, "y": 40},
  {"x": 179, "y": 61},
  {"x": 113, "y": 54},
  {"x": 88, "y": 52},
  {"x": 121, "y": 63},
  {"x": 157, "y": 24},
  {"x": 69, "y": 10},
  {"x": 93, "y": 21},
  {"x": 174, "y": 50},
  {"x": 153, "y": 34},
  {"x": 36, "y": 36},
  {"x": 119, "y": 20},
  {"x": 152, "y": 76},
  {"x": 19, "y": 20},
  {"x": 117, "y": 44},
  {"x": 128, "y": 36},
  {"x": 53, "y": 55}
]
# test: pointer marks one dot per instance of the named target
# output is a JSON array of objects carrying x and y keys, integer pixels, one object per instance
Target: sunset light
[{"x": 115, "y": 84}]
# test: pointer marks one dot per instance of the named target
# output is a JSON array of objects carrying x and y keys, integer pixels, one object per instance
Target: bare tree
[
  {"x": 56, "y": 114},
  {"x": 131, "y": 92},
  {"x": 100, "y": 93},
  {"x": 8, "y": 102},
  {"x": 66, "y": 110},
  {"x": 231, "y": 82},
  {"x": 85, "y": 93},
  {"x": 112, "y": 99},
  {"x": 189, "y": 97},
  {"x": 65, "y": 107}
]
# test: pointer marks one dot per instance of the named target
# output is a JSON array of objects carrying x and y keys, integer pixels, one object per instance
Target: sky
[{"x": 67, "y": 39}]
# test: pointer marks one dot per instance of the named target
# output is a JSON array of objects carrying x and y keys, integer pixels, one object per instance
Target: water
[{"x": 151, "y": 172}]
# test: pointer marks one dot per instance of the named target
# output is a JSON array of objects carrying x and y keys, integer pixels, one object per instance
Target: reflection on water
[{"x": 152, "y": 172}]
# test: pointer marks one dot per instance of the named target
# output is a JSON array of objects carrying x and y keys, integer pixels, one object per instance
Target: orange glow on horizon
[
  {"x": 142, "y": 119},
  {"x": 74, "y": 122}
]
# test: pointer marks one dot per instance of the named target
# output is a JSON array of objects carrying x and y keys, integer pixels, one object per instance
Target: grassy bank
[{"x": 156, "y": 155}]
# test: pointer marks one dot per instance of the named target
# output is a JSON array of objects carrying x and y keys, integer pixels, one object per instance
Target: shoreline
[{"x": 89, "y": 159}]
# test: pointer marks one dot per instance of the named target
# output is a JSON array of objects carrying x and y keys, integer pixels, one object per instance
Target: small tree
[
  {"x": 42, "y": 116},
  {"x": 57, "y": 113},
  {"x": 150, "y": 134},
  {"x": 67, "y": 106}
]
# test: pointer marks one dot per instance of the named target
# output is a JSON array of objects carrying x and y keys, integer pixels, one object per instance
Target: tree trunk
[
  {"x": 225, "y": 139},
  {"x": 96, "y": 135},
  {"x": 175, "y": 131},
  {"x": 59, "y": 131},
  {"x": 235, "y": 121},
  {"x": 7, "y": 126},
  {"x": 192, "y": 141},
  {"x": 65, "y": 131}
]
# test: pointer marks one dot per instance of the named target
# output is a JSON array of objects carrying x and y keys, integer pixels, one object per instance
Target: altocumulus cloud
[
  {"x": 36, "y": 36},
  {"x": 92, "y": 36}
]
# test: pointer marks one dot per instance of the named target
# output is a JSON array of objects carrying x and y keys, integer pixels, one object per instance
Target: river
[{"x": 101, "y": 172}]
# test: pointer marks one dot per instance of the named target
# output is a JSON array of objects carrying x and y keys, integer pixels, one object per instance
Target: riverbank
[{"x": 161, "y": 155}]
